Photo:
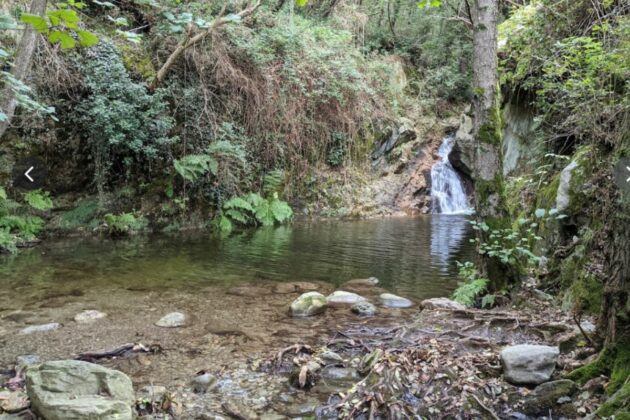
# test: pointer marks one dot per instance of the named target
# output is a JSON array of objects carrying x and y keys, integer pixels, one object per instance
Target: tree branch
[{"x": 188, "y": 42}]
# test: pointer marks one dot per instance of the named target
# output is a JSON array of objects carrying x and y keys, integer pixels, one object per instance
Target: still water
[{"x": 413, "y": 257}]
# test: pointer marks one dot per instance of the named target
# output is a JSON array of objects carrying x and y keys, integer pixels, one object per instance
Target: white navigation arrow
[
  {"x": 628, "y": 168},
  {"x": 26, "y": 174}
]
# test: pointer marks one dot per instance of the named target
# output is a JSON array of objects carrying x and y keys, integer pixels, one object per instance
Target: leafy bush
[
  {"x": 253, "y": 210},
  {"x": 124, "y": 125},
  {"x": 124, "y": 224}
]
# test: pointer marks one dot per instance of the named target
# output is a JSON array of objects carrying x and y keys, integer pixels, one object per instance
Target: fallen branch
[
  {"x": 296, "y": 348},
  {"x": 188, "y": 42},
  {"x": 121, "y": 351}
]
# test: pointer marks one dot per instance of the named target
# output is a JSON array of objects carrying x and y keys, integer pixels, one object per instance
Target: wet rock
[
  {"x": 370, "y": 360},
  {"x": 172, "y": 320},
  {"x": 303, "y": 410},
  {"x": 392, "y": 301},
  {"x": 308, "y": 304},
  {"x": 203, "y": 382},
  {"x": 27, "y": 360},
  {"x": 547, "y": 395},
  {"x": 89, "y": 316},
  {"x": 294, "y": 287},
  {"x": 588, "y": 326},
  {"x": 41, "y": 328},
  {"x": 528, "y": 364},
  {"x": 340, "y": 374},
  {"x": 343, "y": 297},
  {"x": 364, "y": 309},
  {"x": 331, "y": 356},
  {"x": 13, "y": 401},
  {"x": 239, "y": 410},
  {"x": 71, "y": 389},
  {"x": 442, "y": 303}
]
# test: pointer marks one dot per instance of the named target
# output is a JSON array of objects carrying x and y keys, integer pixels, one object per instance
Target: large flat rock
[
  {"x": 528, "y": 364},
  {"x": 75, "y": 390}
]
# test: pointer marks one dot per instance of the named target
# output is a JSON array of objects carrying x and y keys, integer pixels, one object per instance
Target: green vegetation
[
  {"x": 124, "y": 224},
  {"x": 19, "y": 222}
]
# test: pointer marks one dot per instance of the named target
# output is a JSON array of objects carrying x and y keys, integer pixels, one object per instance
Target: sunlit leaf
[{"x": 37, "y": 22}]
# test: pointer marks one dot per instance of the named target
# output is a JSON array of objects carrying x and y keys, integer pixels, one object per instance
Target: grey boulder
[
  {"x": 528, "y": 364},
  {"x": 172, "y": 320},
  {"x": 75, "y": 390},
  {"x": 364, "y": 309}
]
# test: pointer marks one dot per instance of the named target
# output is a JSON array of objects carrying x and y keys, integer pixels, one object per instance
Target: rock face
[
  {"x": 364, "y": 309},
  {"x": 442, "y": 303},
  {"x": 308, "y": 304},
  {"x": 340, "y": 297},
  {"x": 564, "y": 187},
  {"x": 528, "y": 364},
  {"x": 392, "y": 301},
  {"x": 172, "y": 320},
  {"x": 74, "y": 390},
  {"x": 41, "y": 328},
  {"x": 89, "y": 316},
  {"x": 404, "y": 133}
]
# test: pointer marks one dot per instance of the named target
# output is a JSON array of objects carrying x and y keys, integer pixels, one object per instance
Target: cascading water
[{"x": 447, "y": 190}]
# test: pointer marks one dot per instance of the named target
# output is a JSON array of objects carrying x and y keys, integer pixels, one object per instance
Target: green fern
[
  {"x": 7, "y": 241},
  {"x": 467, "y": 293},
  {"x": 39, "y": 200},
  {"x": 237, "y": 215},
  {"x": 273, "y": 181},
  {"x": 192, "y": 167},
  {"x": 238, "y": 203},
  {"x": 280, "y": 209},
  {"x": 252, "y": 209},
  {"x": 124, "y": 223}
]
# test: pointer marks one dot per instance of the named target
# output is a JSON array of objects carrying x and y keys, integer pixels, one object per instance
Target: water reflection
[
  {"x": 412, "y": 256},
  {"x": 447, "y": 234}
]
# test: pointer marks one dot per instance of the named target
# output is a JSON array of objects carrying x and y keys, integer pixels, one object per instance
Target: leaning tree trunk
[
  {"x": 487, "y": 171},
  {"x": 21, "y": 65}
]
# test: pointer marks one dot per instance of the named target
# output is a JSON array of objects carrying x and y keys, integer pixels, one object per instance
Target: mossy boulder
[{"x": 308, "y": 304}]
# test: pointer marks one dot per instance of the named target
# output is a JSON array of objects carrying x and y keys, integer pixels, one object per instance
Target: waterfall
[{"x": 447, "y": 190}]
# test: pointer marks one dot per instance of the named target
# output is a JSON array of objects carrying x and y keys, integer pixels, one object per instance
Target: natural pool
[{"x": 229, "y": 288}]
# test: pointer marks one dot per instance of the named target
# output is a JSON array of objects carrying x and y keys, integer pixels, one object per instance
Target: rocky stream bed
[{"x": 291, "y": 350}]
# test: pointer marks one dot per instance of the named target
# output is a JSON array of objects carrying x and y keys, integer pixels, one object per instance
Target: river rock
[
  {"x": 341, "y": 297},
  {"x": 74, "y": 390},
  {"x": 442, "y": 303},
  {"x": 331, "y": 356},
  {"x": 13, "y": 401},
  {"x": 308, "y": 304},
  {"x": 364, "y": 309},
  {"x": 41, "y": 328},
  {"x": 528, "y": 364},
  {"x": 548, "y": 396},
  {"x": 392, "y": 301},
  {"x": 89, "y": 316},
  {"x": 172, "y": 320},
  {"x": 294, "y": 287}
]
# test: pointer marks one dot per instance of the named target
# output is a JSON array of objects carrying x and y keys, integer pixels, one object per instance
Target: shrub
[
  {"x": 253, "y": 210},
  {"x": 124, "y": 224},
  {"x": 472, "y": 287},
  {"x": 17, "y": 224}
]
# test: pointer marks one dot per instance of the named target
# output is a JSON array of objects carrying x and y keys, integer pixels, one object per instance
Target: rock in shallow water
[
  {"x": 364, "y": 309},
  {"x": 89, "y": 316},
  {"x": 392, "y": 301},
  {"x": 172, "y": 320},
  {"x": 41, "y": 328},
  {"x": 369, "y": 282},
  {"x": 442, "y": 303},
  {"x": 308, "y": 304},
  {"x": 71, "y": 389},
  {"x": 528, "y": 364},
  {"x": 27, "y": 360},
  {"x": 340, "y": 297}
]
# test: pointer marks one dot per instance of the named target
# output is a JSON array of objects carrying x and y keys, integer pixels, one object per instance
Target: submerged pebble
[
  {"x": 27, "y": 360},
  {"x": 89, "y": 316},
  {"x": 172, "y": 320},
  {"x": 392, "y": 301},
  {"x": 41, "y": 328}
]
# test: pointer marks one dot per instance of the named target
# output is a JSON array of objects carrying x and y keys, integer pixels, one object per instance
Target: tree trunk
[
  {"x": 487, "y": 170},
  {"x": 21, "y": 65}
]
